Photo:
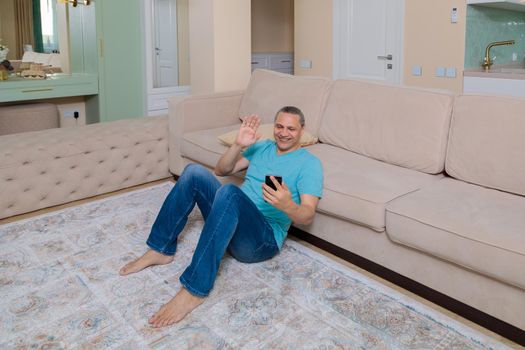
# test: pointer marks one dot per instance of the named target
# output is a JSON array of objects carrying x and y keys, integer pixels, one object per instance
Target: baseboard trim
[{"x": 485, "y": 320}]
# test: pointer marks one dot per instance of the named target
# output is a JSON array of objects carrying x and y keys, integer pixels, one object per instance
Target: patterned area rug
[{"x": 60, "y": 289}]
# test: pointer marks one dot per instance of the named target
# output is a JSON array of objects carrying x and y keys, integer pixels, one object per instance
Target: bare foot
[
  {"x": 149, "y": 258},
  {"x": 176, "y": 309}
]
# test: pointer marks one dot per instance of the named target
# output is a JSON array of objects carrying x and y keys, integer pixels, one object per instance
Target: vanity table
[{"x": 56, "y": 85}]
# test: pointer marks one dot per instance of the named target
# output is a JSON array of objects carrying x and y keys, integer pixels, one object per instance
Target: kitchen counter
[
  {"x": 503, "y": 80},
  {"x": 497, "y": 72}
]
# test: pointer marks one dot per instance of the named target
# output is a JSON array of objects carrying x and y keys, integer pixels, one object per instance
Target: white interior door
[
  {"x": 166, "y": 54},
  {"x": 368, "y": 39}
]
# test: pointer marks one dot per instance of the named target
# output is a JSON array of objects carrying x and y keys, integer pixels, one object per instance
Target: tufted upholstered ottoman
[
  {"x": 28, "y": 117},
  {"x": 50, "y": 167}
]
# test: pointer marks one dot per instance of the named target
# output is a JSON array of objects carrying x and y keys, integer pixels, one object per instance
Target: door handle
[{"x": 387, "y": 57}]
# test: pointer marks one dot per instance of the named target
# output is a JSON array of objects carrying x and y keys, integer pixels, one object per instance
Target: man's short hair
[{"x": 291, "y": 110}]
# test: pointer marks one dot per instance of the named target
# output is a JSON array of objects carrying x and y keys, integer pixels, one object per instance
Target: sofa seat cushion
[
  {"x": 203, "y": 146},
  {"x": 357, "y": 188},
  {"x": 472, "y": 226}
]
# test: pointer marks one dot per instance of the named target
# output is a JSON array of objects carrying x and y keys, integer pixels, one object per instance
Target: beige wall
[
  {"x": 272, "y": 25},
  {"x": 313, "y": 36},
  {"x": 220, "y": 47},
  {"x": 183, "y": 27},
  {"x": 7, "y": 27},
  {"x": 431, "y": 41},
  {"x": 232, "y": 44}
]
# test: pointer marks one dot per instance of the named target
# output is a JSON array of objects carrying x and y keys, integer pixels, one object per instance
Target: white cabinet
[
  {"x": 280, "y": 62},
  {"x": 494, "y": 86}
]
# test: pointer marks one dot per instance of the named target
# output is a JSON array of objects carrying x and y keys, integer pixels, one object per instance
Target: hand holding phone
[{"x": 268, "y": 181}]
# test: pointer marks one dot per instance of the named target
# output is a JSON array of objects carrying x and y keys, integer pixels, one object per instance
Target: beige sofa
[{"x": 425, "y": 184}]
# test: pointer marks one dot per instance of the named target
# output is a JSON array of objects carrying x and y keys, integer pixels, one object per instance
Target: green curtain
[{"x": 37, "y": 27}]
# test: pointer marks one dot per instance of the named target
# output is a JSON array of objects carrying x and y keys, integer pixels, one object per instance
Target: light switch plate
[{"x": 417, "y": 71}]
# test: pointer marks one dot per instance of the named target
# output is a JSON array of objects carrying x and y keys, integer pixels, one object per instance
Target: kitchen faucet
[{"x": 487, "y": 62}]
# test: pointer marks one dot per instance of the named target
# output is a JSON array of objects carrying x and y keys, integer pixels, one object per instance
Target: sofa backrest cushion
[
  {"x": 269, "y": 91},
  {"x": 487, "y": 139},
  {"x": 398, "y": 125}
]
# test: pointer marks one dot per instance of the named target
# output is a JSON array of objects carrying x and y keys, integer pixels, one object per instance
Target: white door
[
  {"x": 368, "y": 39},
  {"x": 166, "y": 43}
]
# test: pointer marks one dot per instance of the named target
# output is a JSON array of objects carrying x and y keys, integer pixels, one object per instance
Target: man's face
[{"x": 287, "y": 131}]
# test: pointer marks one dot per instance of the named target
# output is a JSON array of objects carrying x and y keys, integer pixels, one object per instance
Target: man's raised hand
[{"x": 247, "y": 134}]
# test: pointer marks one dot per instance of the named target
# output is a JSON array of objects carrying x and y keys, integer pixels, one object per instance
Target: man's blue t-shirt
[{"x": 301, "y": 171}]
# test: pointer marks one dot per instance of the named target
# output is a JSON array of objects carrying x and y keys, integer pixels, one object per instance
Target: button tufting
[
  {"x": 58, "y": 183},
  {"x": 126, "y": 156},
  {"x": 43, "y": 172},
  {"x": 72, "y": 167},
  {"x": 100, "y": 161}
]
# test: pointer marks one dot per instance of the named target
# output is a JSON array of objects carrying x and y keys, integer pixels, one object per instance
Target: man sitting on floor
[{"x": 251, "y": 222}]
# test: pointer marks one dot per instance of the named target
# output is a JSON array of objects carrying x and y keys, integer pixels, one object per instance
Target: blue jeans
[{"x": 231, "y": 222}]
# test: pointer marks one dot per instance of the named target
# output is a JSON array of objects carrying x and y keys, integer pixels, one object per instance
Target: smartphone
[{"x": 269, "y": 182}]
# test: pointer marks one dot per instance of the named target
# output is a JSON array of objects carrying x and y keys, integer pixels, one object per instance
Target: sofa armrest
[{"x": 199, "y": 112}]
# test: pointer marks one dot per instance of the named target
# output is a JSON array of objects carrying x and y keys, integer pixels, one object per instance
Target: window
[{"x": 49, "y": 25}]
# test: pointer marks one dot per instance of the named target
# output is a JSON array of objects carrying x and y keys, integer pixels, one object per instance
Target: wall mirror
[
  {"x": 30, "y": 25},
  {"x": 36, "y": 25}
]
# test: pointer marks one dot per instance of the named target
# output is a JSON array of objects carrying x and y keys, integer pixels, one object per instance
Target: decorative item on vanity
[
  {"x": 35, "y": 72},
  {"x": 3, "y": 51},
  {"x": 75, "y": 2},
  {"x": 5, "y": 68}
]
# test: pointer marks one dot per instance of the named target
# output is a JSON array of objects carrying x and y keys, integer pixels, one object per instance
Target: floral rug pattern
[{"x": 60, "y": 289}]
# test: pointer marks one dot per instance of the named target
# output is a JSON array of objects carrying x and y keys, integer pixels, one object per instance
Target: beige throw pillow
[{"x": 266, "y": 131}]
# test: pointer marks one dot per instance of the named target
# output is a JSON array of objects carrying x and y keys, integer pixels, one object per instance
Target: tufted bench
[{"x": 50, "y": 167}]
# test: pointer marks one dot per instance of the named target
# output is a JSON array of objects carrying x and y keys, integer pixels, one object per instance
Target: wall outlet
[
  {"x": 71, "y": 113},
  {"x": 307, "y": 64},
  {"x": 514, "y": 56}
]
